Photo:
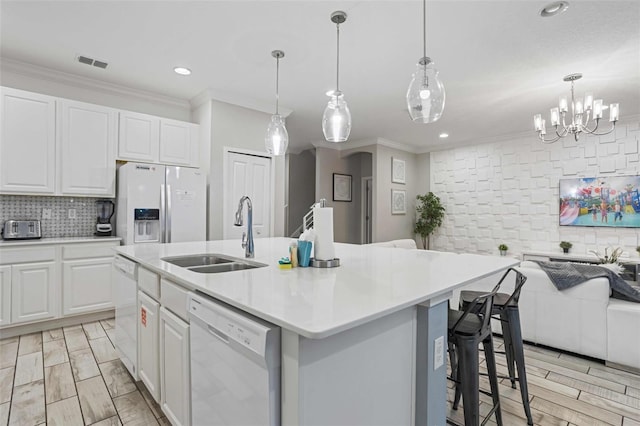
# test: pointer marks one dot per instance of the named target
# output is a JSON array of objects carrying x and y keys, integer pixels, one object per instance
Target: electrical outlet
[
  {"x": 72, "y": 213},
  {"x": 438, "y": 353},
  {"x": 46, "y": 213}
]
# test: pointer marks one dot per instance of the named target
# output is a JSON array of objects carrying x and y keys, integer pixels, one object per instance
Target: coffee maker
[{"x": 104, "y": 209}]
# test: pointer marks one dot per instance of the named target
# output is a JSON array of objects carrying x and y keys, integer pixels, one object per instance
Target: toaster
[{"x": 21, "y": 230}]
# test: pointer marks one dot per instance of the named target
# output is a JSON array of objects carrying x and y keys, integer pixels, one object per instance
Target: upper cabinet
[
  {"x": 157, "y": 140},
  {"x": 87, "y": 149},
  {"x": 27, "y": 142},
  {"x": 139, "y": 137},
  {"x": 56, "y": 146}
]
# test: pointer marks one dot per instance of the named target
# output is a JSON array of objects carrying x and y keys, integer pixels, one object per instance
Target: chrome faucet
[{"x": 247, "y": 237}]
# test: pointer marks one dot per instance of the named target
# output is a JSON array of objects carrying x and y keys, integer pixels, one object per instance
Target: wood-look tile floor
[
  {"x": 564, "y": 390},
  {"x": 71, "y": 376}
]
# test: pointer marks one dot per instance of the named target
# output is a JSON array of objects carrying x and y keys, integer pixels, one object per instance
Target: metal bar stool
[
  {"x": 466, "y": 330},
  {"x": 505, "y": 308}
]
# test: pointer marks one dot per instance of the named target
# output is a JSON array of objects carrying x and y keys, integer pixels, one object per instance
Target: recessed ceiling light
[
  {"x": 182, "y": 71},
  {"x": 555, "y": 8},
  {"x": 444, "y": 135}
]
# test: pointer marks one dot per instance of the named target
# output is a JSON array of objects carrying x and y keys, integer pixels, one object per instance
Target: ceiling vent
[{"x": 90, "y": 61}]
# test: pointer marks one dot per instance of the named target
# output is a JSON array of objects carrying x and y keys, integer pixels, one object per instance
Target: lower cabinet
[
  {"x": 148, "y": 324},
  {"x": 5, "y": 295},
  {"x": 87, "y": 285},
  {"x": 32, "y": 291},
  {"x": 175, "y": 374}
]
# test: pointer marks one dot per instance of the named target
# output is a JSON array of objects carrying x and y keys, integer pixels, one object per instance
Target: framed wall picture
[
  {"x": 398, "y": 171},
  {"x": 341, "y": 187},
  {"x": 398, "y": 201}
]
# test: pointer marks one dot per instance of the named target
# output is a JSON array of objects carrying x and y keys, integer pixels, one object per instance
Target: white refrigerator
[{"x": 160, "y": 204}]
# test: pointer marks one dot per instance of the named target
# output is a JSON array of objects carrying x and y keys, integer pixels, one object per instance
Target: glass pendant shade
[
  {"x": 277, "y": 138},
  {"x": 336, "y": 120},
  {"x": 426, "y": 95}
]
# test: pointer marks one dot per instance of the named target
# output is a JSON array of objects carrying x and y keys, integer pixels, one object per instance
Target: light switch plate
[
  {"x": 438, "y": 353},
  {"x": 46, "y": 213},
  {"x": 72, "y": 213}
]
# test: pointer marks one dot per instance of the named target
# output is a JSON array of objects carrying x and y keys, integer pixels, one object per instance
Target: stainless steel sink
[
  {"x": 200, "y": 260},
  {"x": 212, "y": 263}
]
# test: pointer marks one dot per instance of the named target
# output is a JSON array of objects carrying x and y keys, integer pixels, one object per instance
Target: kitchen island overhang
[{"x": 358, "y": 340}]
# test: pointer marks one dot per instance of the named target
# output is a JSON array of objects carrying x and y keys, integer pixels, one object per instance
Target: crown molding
[
  {"x": 629, "y": 119},
  {"x": 56, "y": 76},
  {"x": 233, "y": 99},
  {"x": 360, "y": 143}
]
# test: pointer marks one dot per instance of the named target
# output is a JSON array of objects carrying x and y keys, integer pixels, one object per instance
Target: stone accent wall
[{"x": 507, "y": 192}]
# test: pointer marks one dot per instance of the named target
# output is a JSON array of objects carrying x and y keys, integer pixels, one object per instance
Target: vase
[
  {"x": 565, "y": 250},
  {"x": 503, "y": 252}
]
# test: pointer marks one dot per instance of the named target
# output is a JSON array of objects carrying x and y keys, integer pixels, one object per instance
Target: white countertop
[
  {"x": 56, "y": 240},
  {"x": 370, "y": 283}
]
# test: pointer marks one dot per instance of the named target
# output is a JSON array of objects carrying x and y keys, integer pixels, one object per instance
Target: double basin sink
[{"x": 212, "y": 263}]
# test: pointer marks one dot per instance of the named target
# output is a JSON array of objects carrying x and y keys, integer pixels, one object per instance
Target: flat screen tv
[{"x": 611, "y": 201}]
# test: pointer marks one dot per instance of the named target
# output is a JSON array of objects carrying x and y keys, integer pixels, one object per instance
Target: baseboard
[
  {"x": 18, "y": 330},
  {"x": 626, "y": 368}
]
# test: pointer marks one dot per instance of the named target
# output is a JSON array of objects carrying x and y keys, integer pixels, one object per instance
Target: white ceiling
[{"x": 499, "y": 61}]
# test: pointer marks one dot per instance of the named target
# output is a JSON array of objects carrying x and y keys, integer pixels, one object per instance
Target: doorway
[
  {"x": 366, "y": 207},
  {"x": 247, "y": 174}
]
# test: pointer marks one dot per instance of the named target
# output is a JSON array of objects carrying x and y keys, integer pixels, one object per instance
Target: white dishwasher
[{"x": 235, "y": 366}]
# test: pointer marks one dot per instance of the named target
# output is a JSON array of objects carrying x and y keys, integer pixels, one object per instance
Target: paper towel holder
[{"x": 331, "y": 263}]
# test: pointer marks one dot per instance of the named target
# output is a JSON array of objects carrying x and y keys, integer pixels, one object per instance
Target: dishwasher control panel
[{"x": 226, "y": 323}]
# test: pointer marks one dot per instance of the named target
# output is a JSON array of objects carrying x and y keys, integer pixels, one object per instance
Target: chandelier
[{"x": 581, "y": 112}]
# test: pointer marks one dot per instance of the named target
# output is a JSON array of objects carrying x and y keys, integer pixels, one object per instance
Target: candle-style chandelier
[{"x": 581, "y": 111}]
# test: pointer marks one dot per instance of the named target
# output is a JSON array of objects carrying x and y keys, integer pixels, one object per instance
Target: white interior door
[{"x": 248, "y": 175}]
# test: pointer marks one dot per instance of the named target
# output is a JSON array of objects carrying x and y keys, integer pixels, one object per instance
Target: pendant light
[
  {"x": 336, "y": 120},
  {"x": 425, "y": 96},
  {"x": 277, "y": 138}
]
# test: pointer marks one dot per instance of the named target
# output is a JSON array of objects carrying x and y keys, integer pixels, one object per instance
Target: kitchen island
[{"x": 363, "y": 343}]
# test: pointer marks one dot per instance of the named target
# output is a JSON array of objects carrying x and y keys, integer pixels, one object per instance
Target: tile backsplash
[{"x": 60, "y": 225}]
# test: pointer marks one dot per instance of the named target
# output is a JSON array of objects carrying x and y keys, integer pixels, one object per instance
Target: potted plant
[
  {"x": 503, "y": 249},
  {"x": 565, "y": 245},
  {"x": 430, "y": 213}
]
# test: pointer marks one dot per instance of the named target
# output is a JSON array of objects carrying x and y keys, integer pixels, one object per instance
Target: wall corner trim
[{"x": 210, "y": 94}]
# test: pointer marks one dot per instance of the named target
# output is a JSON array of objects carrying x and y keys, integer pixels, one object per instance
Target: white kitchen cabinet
[
  {"x": 151, "y": 139},
  {"x": 87, "y": 285},
  {"x": 177, "y": 143},
  {"x": 33, "y": 291},
  {"x": 27, "y": 142},
  {"x": 87, "y": 149},
  {"x": 139, "y": 137},
  {"x": 148, "y": 360},
  {"x": 175, "y": 371},
  {"x": 5, "y": 295}
]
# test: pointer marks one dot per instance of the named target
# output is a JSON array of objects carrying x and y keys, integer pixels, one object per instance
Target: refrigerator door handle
[
  {"x": 163, "y": 228},
  {"x": 168, "y": 214}
]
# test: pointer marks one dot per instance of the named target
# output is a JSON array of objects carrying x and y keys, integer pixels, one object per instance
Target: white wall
[
  {"x": 507, "y": 192},
  {"x": 301, "y": 188},
  {"x": 387, "y": 226},
  {"x": 237, "y": 127}
]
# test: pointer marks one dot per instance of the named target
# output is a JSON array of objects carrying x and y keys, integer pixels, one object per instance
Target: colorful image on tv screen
[{"x": 600, "y": 201}]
